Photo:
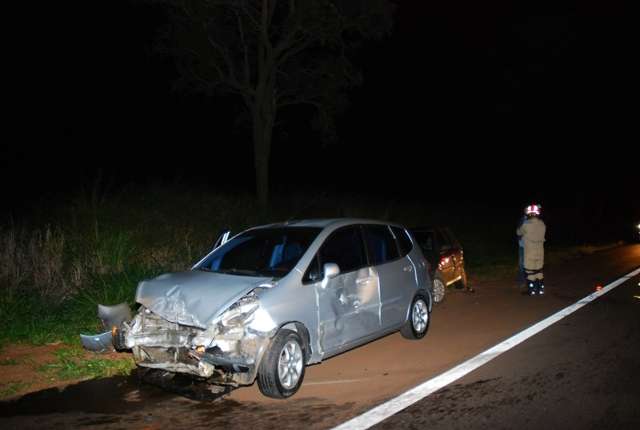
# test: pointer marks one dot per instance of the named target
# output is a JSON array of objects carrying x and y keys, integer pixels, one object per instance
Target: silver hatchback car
[{"x": 276, "y": 298}]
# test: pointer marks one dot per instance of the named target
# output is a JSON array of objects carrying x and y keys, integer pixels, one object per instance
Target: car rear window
[
  {"x": 380, "y": 244},
  {"x": 452, "y": 238},
  {"x": 404, "y": 242},
  {"x": 424, "y": 239},
  {"x": 443, "y": 241}
]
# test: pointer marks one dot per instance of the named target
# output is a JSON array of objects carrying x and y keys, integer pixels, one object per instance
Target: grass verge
[
  {"x": 74, "y": 363},
  {"x": 12, "y": 388}
]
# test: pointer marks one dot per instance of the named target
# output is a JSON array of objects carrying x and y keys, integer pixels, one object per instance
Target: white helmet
[{"x": 533, "y": 210}]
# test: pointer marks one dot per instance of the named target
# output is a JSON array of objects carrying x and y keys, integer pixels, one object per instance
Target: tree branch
[
  {"x": 286, "y": 41},
  {"x": 245, "y": 49},
  {"x": 231, "y": 75},
  {"x": 250, "y": 14},
  {"x": 300, "y": 101},
  {"x": 293, "y": 49},
  {"x": 272, "y": 9}
]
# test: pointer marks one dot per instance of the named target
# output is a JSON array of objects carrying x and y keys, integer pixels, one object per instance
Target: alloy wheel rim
[
  {"x": 290, "y": 364},
  {"x": 420, "y": 316}
]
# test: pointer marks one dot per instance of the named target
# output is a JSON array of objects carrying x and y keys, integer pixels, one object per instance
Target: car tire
[
  {"x": 282, "y": 368},
  {"x": 417, "y": 324},
  {"x": 439, "y": 289}
]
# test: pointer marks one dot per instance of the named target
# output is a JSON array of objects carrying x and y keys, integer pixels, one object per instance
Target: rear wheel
[
  {"x": 439, "y": 289},
  {"x": 418, "y": 323},
  {"x": 282, "y": 368}
]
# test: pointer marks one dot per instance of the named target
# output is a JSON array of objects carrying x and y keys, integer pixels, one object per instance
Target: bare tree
[{"x": 273, "y": 54}]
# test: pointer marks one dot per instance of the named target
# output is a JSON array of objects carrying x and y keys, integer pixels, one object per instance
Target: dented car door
[
  {"x": 395, "y": 272},
  {"x": 349, "y": 303}
]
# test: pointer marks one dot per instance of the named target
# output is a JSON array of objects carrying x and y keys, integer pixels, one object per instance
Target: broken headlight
[{"x": 240, "y": 311}]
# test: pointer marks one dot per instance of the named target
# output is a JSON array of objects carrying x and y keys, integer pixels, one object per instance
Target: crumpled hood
[{"x": 194, "y": 298}]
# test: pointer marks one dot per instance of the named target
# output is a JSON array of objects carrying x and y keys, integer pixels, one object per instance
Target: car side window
[
  {"x": 345, "y": 248},
  {"x": 428, "y": 243},
  {"x": 403, "y": 240},
  {"x": 425, "y": 240},
  {"x": 443, "y": 241},
  {"x": 452, "y": 239},
  {"x": 380, "y": 244}
]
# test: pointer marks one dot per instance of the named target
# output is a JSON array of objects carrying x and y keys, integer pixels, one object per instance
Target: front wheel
[
  {"x": 282, "y": 368},
  {"x": 418, "y": 323}
]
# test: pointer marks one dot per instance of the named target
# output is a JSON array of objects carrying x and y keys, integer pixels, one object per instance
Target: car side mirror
[{"x": 331, "y": 270}]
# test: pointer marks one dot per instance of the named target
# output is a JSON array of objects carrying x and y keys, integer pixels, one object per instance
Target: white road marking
[{"x": 395, "y": 405}]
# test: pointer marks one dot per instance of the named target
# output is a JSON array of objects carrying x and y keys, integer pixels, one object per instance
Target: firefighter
[
  {"x": 521, "y": 274},
  {"x": 532, "y": 232}
]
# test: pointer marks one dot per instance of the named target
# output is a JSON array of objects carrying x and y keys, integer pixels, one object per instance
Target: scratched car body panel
[{"x": 319, "y": 287}]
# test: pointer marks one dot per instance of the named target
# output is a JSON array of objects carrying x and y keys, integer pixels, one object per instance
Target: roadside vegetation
[
  {"x": 69, "y": 253},
  {"x": 12, "y": 388},
  {"x": 73, "y": 363}
]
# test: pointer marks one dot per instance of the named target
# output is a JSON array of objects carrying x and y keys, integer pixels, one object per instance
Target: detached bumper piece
[
  {"x": 98, "y": 342},
  {"x": 112, "y": 318}
]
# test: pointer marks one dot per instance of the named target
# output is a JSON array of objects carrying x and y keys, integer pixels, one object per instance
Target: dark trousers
[{"x": 521, "y": 275}]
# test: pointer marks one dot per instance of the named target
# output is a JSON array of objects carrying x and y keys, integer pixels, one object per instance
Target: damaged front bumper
[{"x": 227, "y": 352}]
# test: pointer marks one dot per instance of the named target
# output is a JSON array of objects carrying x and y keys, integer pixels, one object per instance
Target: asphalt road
[
  {"x": 581, "y": 373},
  {"x": 462, "y": 326}
]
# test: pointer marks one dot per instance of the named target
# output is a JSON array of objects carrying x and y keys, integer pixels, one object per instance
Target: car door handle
[
  {"x": 408, "y": 268},
  {"x": 362, "y": 281}
]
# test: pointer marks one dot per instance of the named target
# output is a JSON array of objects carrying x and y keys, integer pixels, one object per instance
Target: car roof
[{"x": 327, "y": 222}]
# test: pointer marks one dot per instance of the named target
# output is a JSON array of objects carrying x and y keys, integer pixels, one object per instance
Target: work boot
[
  {"x": 540, "y": 287},
  {"x": 531, "y": 288}
]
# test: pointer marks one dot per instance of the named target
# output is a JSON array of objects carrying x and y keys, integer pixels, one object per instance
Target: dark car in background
[{"x": 445, "y": 256}]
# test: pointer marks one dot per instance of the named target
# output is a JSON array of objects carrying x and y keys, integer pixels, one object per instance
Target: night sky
[{"x": 466, "y": 101}]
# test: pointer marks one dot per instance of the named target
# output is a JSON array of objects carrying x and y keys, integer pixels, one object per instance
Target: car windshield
[{"x": 269, "y": 252}]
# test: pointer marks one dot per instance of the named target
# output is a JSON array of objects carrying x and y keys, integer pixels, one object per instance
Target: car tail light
[{"x": 444, "y": 261}]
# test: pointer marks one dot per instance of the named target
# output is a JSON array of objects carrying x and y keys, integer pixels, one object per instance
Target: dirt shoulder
[{"x": 27, "y": 368}]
